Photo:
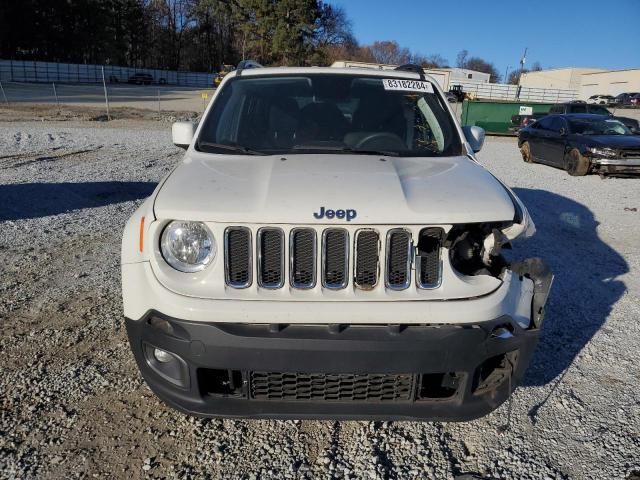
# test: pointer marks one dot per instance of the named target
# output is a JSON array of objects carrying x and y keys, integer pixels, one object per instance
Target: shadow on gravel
[
  {"x": 585, "y": 287},
  {"x": 32, "y": 200}
]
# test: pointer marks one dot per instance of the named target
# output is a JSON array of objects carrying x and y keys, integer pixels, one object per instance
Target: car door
[
  {"x": 537, "y": 140},
  {"x": 555, "y": 141}
]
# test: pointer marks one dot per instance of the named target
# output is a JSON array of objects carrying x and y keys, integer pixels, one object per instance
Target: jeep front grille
[
  {"x": 335, "y": 261},
  {"x": 367, "y": 259},
  {"x": 270, "y": 257},
  {"x": 302, "y": 258},
  {"x": 428, "y": 258},
  {"x": 398, "y": 259},
  {"x": 237, "y": 258},
  {"x": 328, "y": 254},
  {"x": 331, "y": 386}
]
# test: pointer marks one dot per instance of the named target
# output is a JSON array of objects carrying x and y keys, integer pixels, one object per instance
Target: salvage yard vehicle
[
  {"x": 140, "y": 79},
  {"x": 601, "y": 100},
  {"x": 581, "y": 107},
  {"x": 581, "y": 143},
  {"x": 224, "y": 71},
  {"x": 330, "y": 247},
  {"x": 519, "y": 121}
]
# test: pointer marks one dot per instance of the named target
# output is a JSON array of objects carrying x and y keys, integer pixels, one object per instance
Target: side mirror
[
  {"x": 563, "y": 132},
  {"x": 475, "y": 137},
  {"x": 182, "y": 133}
]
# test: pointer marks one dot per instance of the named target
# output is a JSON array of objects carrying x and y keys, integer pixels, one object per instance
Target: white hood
[{"x": 290, "y": 189}]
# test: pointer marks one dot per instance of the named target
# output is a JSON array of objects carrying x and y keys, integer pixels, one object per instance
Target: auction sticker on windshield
[{"x": 407, "y": 85}]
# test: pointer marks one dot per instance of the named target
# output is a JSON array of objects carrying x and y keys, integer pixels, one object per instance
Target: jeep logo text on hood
[{"x": 339, "y": 214}]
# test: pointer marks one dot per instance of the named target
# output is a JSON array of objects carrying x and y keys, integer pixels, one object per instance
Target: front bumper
[
  {"x": 614, "y": 165},
  {"x": 428, "y": 371},
  {"x": 452, "y": 373}
]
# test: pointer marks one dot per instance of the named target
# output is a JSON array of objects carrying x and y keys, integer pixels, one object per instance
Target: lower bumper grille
[{"x": 332, "y": 387}]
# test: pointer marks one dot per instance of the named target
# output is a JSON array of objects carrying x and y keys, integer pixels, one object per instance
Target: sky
[{"x": 558, "y": 33}]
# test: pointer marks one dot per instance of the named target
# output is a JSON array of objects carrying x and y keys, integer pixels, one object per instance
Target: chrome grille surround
[
  {"x": 398, "y": 259},
  {"x": 335, "y": 270},
  {"x": 239, "y": 277},
  {"x": 365, "y": 259},
  {"x": 366, "y": 262},
  {"x": 429, "y": 266},
  {"x": 270, "y": 257},
  {"x": 301, "y": 276}
]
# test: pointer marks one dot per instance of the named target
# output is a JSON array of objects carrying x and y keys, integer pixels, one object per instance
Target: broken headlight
[
  {"x": 476, "y": 249},
  {"x": 602, "y": 152}
]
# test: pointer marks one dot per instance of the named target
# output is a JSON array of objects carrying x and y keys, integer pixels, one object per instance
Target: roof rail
[
  {"x": 247, "y": 64},
  {"x": 411, "y": 67}
]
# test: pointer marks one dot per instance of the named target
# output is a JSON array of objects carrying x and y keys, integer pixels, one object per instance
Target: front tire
[
  {"x": 576, "y": 165},
  {"x": 525, "y": 150}
]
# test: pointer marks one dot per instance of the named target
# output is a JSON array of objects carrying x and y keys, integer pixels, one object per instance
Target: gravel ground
[{"x": 73, "y": 403}]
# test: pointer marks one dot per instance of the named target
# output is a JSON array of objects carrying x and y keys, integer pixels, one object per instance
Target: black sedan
[{"x": 581, "y": 143}]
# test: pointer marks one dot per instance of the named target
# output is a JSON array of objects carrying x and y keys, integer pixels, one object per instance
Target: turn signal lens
[{"x": 141, "y": 236}]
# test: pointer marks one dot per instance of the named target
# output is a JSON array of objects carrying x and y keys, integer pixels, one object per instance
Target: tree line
[{"x": 196, "y": 35}]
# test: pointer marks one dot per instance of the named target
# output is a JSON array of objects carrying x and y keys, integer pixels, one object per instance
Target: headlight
[
  {"x": 187, "y": 246},
  {"x": 602, "y": 152}
]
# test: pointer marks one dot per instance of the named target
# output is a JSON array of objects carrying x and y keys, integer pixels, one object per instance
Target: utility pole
[{"x": 523, "y": 60}]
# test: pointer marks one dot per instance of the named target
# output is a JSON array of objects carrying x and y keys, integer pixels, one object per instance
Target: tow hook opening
[
  {"x": 494, "y": 371},
  {"x": 227, "y": 383},
  {"x": 434, "y": 386}
]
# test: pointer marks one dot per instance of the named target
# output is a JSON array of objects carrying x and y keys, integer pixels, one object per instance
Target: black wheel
[
  {"x": 525, "y": 149},
  {"x": 575, "y": 164}
]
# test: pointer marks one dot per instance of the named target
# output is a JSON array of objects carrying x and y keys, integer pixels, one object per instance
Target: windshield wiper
[
  {"x": 340, "y": 149},
  {"x": 233, "y": 148}
]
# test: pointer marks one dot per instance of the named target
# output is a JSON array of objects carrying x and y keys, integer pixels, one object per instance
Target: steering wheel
[
  {"x": 611, "y": 131},
  {"x": 387, "y": 140}
]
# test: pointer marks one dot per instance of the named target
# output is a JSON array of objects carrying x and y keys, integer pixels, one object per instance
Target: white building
[
  {"x": 464, "y": 75},
  {"x": 611, "y": 82},
  {"x": 557, "y": 78}
]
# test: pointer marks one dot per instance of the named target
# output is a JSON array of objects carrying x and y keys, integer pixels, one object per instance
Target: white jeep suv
[{"x": 329, "y": 247}]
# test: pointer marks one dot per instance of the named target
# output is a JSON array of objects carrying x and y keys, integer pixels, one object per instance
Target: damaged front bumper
[
  {"x": 619, "y": 166},
  {"x": 265, "y": 368}
]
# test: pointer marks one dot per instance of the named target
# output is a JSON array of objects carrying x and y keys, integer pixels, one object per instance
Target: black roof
[{"x": 585, "y": 116}]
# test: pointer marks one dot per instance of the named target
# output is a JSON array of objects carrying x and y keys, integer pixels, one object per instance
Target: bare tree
[
  {"x": 389, "y": 52},
  {"x": 461, "y": 59}
]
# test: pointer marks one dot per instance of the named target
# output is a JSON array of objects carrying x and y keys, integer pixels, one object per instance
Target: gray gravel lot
[{"x": 73, "y": 404}]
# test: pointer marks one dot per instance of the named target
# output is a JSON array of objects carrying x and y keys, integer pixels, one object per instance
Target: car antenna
[{"x": 412, "y": 67}]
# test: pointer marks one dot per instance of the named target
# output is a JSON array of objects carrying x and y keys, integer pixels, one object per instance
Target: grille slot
[
  {"x": 335, "y": 264},
  {"x": 332, "y": 386},
  {"x": 238, "y": 260},
  {"x": 367, "y": 264},
  {"x": 630, "y": 153},
  {"x": 302, "y": 257},
  {"x": 428, "y": 263},
  {"x": 398, "y": 274},
  {"x": 270, "y": 258}
]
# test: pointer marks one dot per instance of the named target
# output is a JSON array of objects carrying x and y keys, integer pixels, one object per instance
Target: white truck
[{"x": 329, "y": 247}]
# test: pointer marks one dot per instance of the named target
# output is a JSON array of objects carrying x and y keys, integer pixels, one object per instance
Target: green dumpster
[{"x": 495, "y": 115}]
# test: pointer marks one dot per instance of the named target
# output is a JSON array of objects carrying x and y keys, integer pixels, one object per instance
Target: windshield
[
  {"x": 329, "y": 113},
  {"x": 584, "y": 126}
]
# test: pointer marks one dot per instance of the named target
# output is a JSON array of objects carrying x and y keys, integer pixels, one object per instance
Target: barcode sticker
[{"x": 407, "y": 85}]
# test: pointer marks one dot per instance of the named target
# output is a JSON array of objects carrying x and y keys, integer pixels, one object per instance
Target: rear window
[{"x": 329, "y": 113}]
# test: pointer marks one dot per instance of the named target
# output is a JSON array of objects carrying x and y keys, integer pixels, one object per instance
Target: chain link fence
[
  {"x": 49, "y": 72},
  {"x": 154, "y": 97}
]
